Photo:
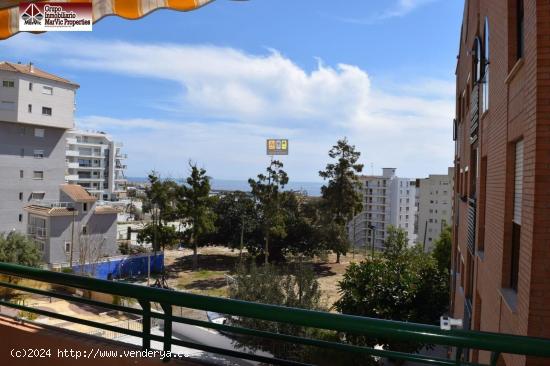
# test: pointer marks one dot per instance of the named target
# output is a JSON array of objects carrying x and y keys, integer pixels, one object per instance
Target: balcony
[
  {"x": 471, "y": 225},
  {"x": 474, "y": 114},
  {"x": 73, "y": 165},
  {"x": 37, "y": 232},
  {"x": 71, "y": 140},
  {"x": 121, "y": 156},
  {"x": 87, "y": 166},
  {"x": 71, "y": 177},
  {"x": 72, "y": 153},
  {"x": 146, "y": 297}
]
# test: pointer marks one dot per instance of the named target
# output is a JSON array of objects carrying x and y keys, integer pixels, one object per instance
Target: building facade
[
  {"x": 501, "y": 213},
  {"x": 72, "y": 228},
  {"x": 434, "y": 207},
  {"x": 387, "y": 200},
  {"x": 36, "y": 110},
  {"x": 96, "y": 162}
]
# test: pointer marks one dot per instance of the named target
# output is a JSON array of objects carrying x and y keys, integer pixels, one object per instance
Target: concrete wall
[
  {"x": 14, "y": 138},
  {"x": 18, "y": 142},
  {"x": 62, "y": 101},
  {"x": 100, "y": 240}
]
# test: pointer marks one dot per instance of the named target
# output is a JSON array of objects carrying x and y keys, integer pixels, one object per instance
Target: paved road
[{"x": 213, "y": 338}]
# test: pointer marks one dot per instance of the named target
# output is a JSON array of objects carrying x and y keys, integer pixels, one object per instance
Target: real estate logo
[{"x": 67, "y": 17}]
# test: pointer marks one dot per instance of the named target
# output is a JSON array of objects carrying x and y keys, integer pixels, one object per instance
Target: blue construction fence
[{"x": 123, "y": 267}]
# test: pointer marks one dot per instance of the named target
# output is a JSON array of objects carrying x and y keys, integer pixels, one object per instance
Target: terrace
[{"x": 458, "y": 341}]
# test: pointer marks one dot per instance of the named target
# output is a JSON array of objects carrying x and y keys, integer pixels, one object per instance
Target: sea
[{"x": 310, "y": 188}]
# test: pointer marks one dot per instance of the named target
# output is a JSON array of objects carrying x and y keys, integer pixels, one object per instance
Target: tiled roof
[
  {"x": 77, "y": 193},
  {"x": 49, "y": 211},
  {"x": 34, "y": 71}
]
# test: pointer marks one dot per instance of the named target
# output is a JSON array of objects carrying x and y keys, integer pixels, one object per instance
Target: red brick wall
[{"x": 519, "y": 108}]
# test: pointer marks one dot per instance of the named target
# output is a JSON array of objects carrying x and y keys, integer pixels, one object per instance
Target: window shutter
[{"x": 518, "y": 182}]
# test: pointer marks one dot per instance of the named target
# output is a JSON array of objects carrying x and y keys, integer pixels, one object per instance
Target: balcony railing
[
  {"x": 38, "y": 232},
  {"x": 52, "y": 203},
  {"x": 471, "y": 225},
  {"x": 495, "y": 343}
]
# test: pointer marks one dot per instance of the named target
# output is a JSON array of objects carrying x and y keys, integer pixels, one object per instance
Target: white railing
[
  {"x": 52, "y": 203},
  {"x": 37, "y": 231}
]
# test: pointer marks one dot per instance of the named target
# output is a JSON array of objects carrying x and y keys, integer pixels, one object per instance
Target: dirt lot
[{"x": 216, "y": 262}]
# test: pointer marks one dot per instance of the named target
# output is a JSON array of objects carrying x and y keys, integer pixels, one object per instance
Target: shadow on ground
[
  {"x": 209, "y": 262},
  {"x": 210, "y": 284}
]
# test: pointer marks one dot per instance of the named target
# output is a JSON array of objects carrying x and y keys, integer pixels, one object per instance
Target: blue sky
[{"x": 212, "y": 84}]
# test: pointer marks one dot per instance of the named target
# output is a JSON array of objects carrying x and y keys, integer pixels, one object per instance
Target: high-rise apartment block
[
  {"x": 95, "y": 161},
  {"x": 434, "y": 207},
  {"x": 36, "y": 109},
  {"x": 387, "y": 200},
  {"x": 501, "y": 214}
]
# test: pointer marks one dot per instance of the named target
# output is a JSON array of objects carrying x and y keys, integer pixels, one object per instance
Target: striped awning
[{"x": 129, "y": 9}]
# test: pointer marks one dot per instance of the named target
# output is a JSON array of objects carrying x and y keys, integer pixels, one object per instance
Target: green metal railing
[{"x": 461, "y": 340}]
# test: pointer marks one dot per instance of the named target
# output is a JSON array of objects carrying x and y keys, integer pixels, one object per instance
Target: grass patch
[{"x": 203, "y": 282}]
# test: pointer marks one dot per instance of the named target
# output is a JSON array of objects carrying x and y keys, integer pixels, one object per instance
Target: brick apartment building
[{"x": 501, "y": 213}]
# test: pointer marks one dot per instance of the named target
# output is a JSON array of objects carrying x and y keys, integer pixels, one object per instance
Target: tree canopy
[
  {"x": 195, "y": 207},
  {"x": 402, "y": 284},
  {"x": 266, "y": 190},
  {"x": 341, "y": 196},
  {"x": 18, "y": 248}
]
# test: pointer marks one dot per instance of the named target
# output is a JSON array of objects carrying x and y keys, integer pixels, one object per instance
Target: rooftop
[
  {"x": 77, "y": 193},
  {"x": 44, "y": 210},
  {"x": 30, "y": 69}
]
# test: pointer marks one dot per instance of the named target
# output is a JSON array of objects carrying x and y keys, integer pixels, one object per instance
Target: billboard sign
[{"x": 277, "y": 146}]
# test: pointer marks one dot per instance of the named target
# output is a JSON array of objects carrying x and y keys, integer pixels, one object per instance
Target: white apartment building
[
  {"x": 387, "y": 200},
  {"x": 435, "y": 197},
  {"x": 95, "y": 161},
  {"x": 36, "y": 110}
]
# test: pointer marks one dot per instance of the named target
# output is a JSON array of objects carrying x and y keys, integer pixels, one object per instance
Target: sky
[{"x": 211, "y": 85}]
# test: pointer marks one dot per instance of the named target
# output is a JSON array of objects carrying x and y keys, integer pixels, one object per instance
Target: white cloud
[
  {"x": 399, "y": 9},
  {"x": 238, "y": 99}
]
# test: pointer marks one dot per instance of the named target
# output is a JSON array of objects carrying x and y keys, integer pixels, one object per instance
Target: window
[
  {"x": 67, "y": 247},
  {"x": 46, "y": 111},
  {"x": 476, "y": 59},
  {"x": 84, "y": 230},
  {"x": 516, "y": 221},
  {"x": 38, "y": 174},
  {"x": 485, "y": 79},
  {"x": 20, "y": 196},
  {"x": 21, "y": 174},
  {"x": 20, "y": 218},
  {"x": 29, "y": 108},
  {"x": 520, "y": 42},
  {"x": 22, "y": 153},
  {"x": 85, "y": 207},
  {"x": 38, "y": 154},
  {"x": 47, "y": 90},
  {"x": 7, "y": 105},
  {"x": 30, "y": 86},
  {"x": 8, "y": 84},
  {"x": 38, "y": 195}
]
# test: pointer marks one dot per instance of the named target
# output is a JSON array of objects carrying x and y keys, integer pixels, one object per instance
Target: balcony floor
[{"x": 19, "y": 336}]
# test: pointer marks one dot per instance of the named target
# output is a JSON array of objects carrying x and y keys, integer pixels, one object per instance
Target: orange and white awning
[{"x": 129, "y": 9}]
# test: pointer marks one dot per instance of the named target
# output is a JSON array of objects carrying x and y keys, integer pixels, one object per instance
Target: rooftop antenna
[{"x": 372, "y": 168}]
